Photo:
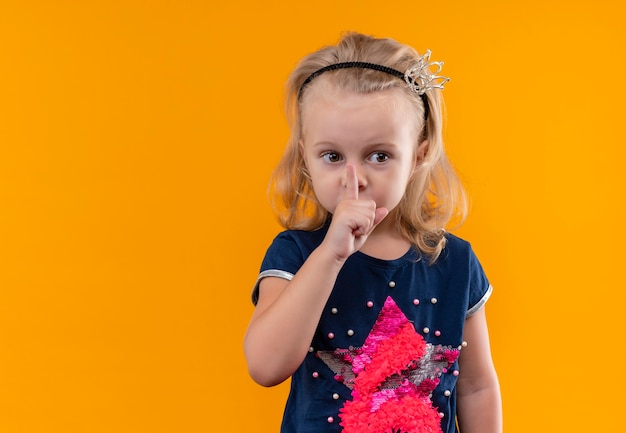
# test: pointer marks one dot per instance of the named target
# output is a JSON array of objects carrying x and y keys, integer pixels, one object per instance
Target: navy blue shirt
[{"x": 435, "y": 299}]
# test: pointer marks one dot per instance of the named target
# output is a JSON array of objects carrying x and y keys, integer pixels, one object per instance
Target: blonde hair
[{"x": 434, "y": 196}]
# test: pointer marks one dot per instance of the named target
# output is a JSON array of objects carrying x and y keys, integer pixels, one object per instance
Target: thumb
[{"x": 380, "y": 215}]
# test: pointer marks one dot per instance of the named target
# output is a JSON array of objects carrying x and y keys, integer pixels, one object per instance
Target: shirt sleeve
[
  {"x": 479, "y": 287},
  {"x": 283, "y": 259}
]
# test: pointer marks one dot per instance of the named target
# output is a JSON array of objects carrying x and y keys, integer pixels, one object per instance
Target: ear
[{"x": 421, "y": 152}]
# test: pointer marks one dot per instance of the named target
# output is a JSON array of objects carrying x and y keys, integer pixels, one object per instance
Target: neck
[{"x": 385, "y": 242}]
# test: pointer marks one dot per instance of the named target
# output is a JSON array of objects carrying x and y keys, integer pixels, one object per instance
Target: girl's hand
[{"x": 354, "y": 219}]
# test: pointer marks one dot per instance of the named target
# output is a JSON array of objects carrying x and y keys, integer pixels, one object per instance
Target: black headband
[{"x": 363, "y": 65}]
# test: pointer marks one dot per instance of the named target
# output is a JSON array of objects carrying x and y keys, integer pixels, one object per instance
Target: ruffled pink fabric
[{"x": 386, "y": 398}]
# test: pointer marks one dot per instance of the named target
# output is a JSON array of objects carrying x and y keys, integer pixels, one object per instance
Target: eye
[
  {"x": 378, "y": 157},
  {"x": 331, "y": 157}
]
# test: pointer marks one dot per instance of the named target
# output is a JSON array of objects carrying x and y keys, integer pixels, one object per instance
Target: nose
[{"x": 360, "y": 176}]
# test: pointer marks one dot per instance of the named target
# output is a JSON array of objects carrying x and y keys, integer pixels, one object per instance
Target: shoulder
[
  {"x": 291, "y": 248},
  {"x": 453, "y": 241},
  {"x": 305, "y": 240},
  {"x": 456, "y": 249},
  {"x": 459, "y": 260},
  {"x": 295, "y": 244}
]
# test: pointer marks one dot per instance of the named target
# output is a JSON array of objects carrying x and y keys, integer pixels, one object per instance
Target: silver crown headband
[{"x": 418, "y": 77}]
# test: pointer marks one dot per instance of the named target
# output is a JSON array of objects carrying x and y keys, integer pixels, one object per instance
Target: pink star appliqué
[{"x": 392, "y": 377}]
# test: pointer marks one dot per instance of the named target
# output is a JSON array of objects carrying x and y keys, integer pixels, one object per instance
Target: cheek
[
  {"x": 398, "y": 182},
  {"x": 326, "y": 192},
  {"x": 322, "y": 186},
  {"x": 410, "y": 170}
]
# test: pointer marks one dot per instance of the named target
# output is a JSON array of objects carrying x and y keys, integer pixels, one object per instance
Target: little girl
[{"x": 365, "y": 301}]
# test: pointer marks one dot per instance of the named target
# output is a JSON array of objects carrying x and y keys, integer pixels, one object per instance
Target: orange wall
[{"x": 136, "y": 140}]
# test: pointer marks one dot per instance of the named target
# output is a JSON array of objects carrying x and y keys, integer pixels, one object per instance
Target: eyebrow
[{"x": 370, "y": 146}]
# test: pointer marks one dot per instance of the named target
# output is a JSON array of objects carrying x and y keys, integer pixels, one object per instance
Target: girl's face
[{"x": 377, "y": 133}]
